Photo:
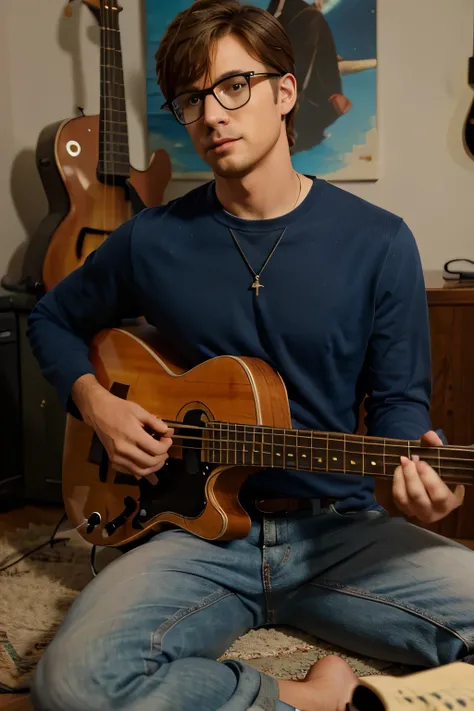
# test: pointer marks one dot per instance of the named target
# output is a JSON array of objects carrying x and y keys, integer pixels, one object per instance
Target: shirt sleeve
[
  {"x": 398, "y": 365},
  {"x": 97, "y": 295}
]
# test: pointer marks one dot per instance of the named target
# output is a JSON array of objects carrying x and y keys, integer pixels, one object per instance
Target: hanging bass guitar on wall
[
  {"x": 469, "y": 124},
  {"x": 84, "y": 164}
]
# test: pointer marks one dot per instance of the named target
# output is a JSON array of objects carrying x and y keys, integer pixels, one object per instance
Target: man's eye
[{"x": 194, "y": 100}]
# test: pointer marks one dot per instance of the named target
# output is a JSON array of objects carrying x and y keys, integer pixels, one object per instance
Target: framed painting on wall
[{"x": 336, "y": 67}]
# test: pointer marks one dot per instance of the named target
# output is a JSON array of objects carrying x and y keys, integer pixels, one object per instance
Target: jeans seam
[
  {"x": 383, "y": 599},
  {"x": 267, "y": 585},
  {"x": 156, "y": 637}
]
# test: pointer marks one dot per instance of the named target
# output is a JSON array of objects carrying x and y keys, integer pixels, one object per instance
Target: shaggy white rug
[{"x": 36, "y": 593}]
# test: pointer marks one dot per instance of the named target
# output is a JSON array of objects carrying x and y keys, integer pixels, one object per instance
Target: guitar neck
[
  {"x": 114, "y": 154},
  {"x": 305, "y": 450}
]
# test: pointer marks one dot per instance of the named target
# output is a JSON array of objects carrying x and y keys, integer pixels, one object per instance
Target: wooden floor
[{"x": 49, "y": 515}]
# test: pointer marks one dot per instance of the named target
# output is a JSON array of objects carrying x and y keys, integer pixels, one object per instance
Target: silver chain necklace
[{"x": 256, "y": 285}]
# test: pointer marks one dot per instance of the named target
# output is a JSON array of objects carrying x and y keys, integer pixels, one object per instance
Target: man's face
[{"x": 233, "y": 142}]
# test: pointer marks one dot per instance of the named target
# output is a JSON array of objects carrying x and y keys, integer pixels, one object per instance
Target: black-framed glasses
[{"x": 232, "y": 93}]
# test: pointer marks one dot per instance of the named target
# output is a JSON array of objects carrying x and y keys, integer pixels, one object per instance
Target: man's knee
[{"x": 61, "y": 683}]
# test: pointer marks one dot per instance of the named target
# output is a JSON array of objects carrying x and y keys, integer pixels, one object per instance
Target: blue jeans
[{"x": 145, "y": 634}]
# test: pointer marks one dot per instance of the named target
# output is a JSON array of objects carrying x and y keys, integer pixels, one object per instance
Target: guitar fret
[
  {"x": 336, "y": 453},
  {"x": 236, "y": 444},
  {"x": 291, "y": 451},
  {"x": 318, "y": 454},
  {"x": 114, "y": 136},
  {"x": 245, "y": 449},
  {"x": 351, "y": 455},
  {"x": 116, "y": 153},
  {"x": 303, "y": 450},
  {"x": 111, "y": 163}
]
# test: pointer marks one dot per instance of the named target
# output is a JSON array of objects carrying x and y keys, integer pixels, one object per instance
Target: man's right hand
[{"x": 120, "y": 426}]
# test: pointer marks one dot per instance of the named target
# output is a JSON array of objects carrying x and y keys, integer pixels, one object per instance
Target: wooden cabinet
[{"x": 451, "y": 311}]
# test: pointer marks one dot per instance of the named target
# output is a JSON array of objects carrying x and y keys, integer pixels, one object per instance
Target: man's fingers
[
  {"x": 438, "y": 493},
  {"x": 399, "y": 493},
  {"x": 154, "y": 422},
  {"x": 418, "y": 499},
  {"x": 129, "y": 452},
  {"x": 128, "y": 467},
  {"x": 431, "y": 439},
  {"x": 459, "y": 493},
  {"x": 155, "y": 446}
]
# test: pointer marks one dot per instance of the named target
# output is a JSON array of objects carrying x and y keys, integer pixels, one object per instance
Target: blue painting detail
[{"x": 336, "y": 123}]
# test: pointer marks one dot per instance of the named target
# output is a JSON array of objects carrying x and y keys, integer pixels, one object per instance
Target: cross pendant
[{"x": 256, "y": 285}]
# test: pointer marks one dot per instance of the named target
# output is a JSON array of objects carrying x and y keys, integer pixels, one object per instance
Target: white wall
[{"x": 49, "y": 64}]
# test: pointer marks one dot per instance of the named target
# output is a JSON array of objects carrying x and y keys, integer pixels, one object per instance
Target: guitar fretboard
[
  {"x": 114, "y": 154},
  {"x": 267, "y": 447}
]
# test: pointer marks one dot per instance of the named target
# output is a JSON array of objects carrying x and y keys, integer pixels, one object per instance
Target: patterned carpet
[{"x": 36, "y": 593}]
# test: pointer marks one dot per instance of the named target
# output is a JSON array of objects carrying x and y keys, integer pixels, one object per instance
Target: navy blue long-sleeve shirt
[{"x": 342, "y": 312}]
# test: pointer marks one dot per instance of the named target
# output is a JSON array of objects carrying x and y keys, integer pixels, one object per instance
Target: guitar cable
[{"x": 7, "y": 563}]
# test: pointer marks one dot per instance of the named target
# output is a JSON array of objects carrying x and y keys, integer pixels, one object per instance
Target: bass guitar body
[{"x": 84, "y": 210}]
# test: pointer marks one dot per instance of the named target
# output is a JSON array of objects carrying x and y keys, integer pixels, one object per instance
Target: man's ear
[{"x": 288, "y": 93}]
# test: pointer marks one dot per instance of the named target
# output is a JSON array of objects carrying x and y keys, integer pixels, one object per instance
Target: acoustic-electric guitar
[{"x": 231, "y": 418}]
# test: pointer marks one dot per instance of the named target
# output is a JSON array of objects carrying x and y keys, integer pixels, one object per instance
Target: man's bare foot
[{"x": 328, "y": 686}]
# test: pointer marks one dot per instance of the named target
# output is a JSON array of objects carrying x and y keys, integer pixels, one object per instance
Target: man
[{"x": 329, "y": 290}]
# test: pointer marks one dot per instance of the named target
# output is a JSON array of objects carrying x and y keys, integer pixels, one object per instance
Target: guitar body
[
  {"x": 83, "y": 210},
  {"x": 198, "y": 497}
]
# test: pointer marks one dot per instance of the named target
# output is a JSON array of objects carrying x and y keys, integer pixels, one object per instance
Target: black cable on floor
[{"x": 52, "y": 542}]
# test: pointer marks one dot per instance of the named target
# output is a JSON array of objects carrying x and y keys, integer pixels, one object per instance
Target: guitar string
[
  {"x": 105, "y": 73},
  {"x": 114, "y": 23},
  {"x": 105, "y": 127},
  {"x": 463, "y": 475},
  {"x": 323, "y": 440},
  {"x": 208, "y": 445},
  {"x": 323, "y": 436}
]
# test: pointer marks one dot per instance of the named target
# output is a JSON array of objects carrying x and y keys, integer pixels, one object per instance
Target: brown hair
[{"x": 185, "y": 51}]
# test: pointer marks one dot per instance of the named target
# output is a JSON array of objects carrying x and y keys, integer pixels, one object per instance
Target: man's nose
[{"x": 213, "y": 113}]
